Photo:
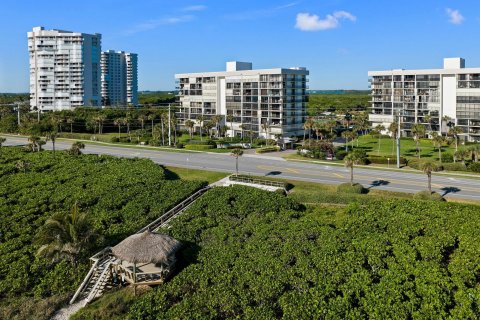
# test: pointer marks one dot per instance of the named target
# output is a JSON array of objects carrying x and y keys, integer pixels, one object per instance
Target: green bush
[
  {"x": 458, "y": 166},
  {"x": 447, "y": 158},
  {"x": 417, "y": 164},
  {"x": 427, "y": 195},
  {"x": 356, "y": 188},
  {"x": 474, "y": 167},
  {"x": 384, "y": 160},
  {"x": 267, "y": 149},
  {"x": 179, "y": 145},
  {"x": 114, "y": 139},
  {"x": 199, "y": 147},
  {"x": 340, "y": 154}
]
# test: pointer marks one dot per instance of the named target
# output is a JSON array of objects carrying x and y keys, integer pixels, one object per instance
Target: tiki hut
[{"x": 146, "y": 258}]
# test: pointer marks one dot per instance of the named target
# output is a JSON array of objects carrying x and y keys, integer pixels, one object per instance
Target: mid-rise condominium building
[
  {"x": 433, "y": 97},
  {"x": 265, "y": 102},
  {"x": 64, "y": 69},
  {"x": 119, "y": 78}
]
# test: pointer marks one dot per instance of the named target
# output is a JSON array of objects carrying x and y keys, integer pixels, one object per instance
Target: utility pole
[
  {"x": 169, "y": 128},
  {"x": 398, "y": 139}
]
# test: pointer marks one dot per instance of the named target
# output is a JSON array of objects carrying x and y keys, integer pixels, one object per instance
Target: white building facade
[
  {"x": 119, "y": 78},
  {"x": 428, "y": 97},
  {"x": 64, "y": 69},
  {"x": 265, "y": 102}
]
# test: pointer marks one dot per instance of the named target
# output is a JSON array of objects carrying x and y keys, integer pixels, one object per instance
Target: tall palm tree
[
  {"x": 230, "y": 119},
  {"x": 52, "y": 136},
  {"x": 265, "y": 127},
  {"x": 318, "y": 127},
  {"x": 418, "y": 131},
  {"x": 428, "y": 167},
  {"x": 237, "y": 152},
  {"x": 101, "y": 119},
  {"x": 118, "y": 122},
  {"x": 393, "y": 129},
  {"x": 242, "y": 128},
  {"x": 142, "y": 118},
  {"x": 347, "y": 135},
  {"x": 200, "y": 120},
  {"x": 190, "y": 124},
  {"x": 152, "y": 117},
  {"x": 474, "y": 150},
  {"x": 378, "y": 132},
  {"x": 216, "y": 119},
  {"x": 65, "y": 236},
  {"x": 352, "y": 159},
  {"x": 70, "y": 121},
  {"x": 454, "y": 132},
  {"x": 438, "y": 142},
  {"x": 2, "y": 141},
  {"x": 428, "y": 120}
]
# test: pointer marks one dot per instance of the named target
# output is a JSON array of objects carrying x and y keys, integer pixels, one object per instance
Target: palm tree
[
  {"x": 65, "y": 236},
  {"x": 454, "y": 132},
  {"x": 418, "y": 131},
  {"x": 216, "y": 119},
  {"x": 118, "y": 122},
  {"x": 474, "y": 150},
  {"x": 308, "y": 125},
  {"x": 76, "y": 148},
  {"x": 428, "y": 167},
  {"x": 35, "y": 142},
  {"x": 190, "y": 124},
  {"x": 52, "y": 136},
  {"x": 352, "y": 159},
  {"x": 317, "y": 126},
  {"x": 230, "y": 119},
  {"x": 152, "y": 117},
  {"x": 242, "y": 128},
  {"x": 347, "y": 135},
  {"x": 237, "y": 152},
  {"x": 378, "y": 132},
  {"x": 438, "y": 142},
  {"x": 142, "y": 118},
  {"x": 101, "y": 119},
  {"x": 200, "y": 120},
  {"x": 461, "y": 154},
  {"x": 2, "y": 141},
  {"x": 265, "y": 127},
  {"x": 428, "y": 120},
  {"x": 70, "y": 121},
  {"x": 393, "y": 129}
]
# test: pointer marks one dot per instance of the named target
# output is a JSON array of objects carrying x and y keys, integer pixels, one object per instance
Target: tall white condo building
[
  {"x": 64, "y": 69},
  {"x": 433, "y": 97},
  {"x": 119, "y": 78},
  {"x": 263, "y": 102}
]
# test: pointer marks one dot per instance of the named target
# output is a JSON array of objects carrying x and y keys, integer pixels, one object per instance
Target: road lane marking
[{"x": 337, "y": 174}]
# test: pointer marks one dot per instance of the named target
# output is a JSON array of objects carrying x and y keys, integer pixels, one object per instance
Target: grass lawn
[
  {"x": 407, "y": 147},
  {"x": 193, "y": 174}
]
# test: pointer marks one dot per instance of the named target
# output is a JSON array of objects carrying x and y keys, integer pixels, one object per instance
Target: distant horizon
[{"x": 338, "y": 41}]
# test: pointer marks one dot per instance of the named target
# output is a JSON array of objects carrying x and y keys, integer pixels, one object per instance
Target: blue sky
[{"x": 338, "y": 41}]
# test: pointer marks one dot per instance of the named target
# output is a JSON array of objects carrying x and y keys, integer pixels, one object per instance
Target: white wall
[
  {"x": 449, "y": 96},
  {"x": 221, "y": 105}
]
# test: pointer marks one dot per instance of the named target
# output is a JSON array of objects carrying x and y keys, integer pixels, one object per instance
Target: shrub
[
  {"x": 114, "y": 139},
  {"x": 474, "y": 167},
  {"x": 447, "y": 158},
  {"x": 426, "y": 195},
  {"x": 179, "y": 145},
  {"x": 340, "y": 154},
  {"x": 356, "y": 188},
  {"x": 268, "y": 149},
  {"x": 454, "y": 166},
  {"x": 417, "y": 164},
  {"x": 199, "y": 147},
  {"x": 384, "y": 160}
]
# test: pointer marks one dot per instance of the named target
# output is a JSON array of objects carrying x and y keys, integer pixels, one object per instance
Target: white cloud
[
  {"x": 312, "y": 22},
  {"x": 153, "y": 24},
  {"x": 195, "y": 8},
  {"x": 454, "y": 16}
]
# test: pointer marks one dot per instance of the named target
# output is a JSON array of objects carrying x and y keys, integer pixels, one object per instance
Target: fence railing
[
  {"x": 245, "y": 179},
  {"x": 175, "y": 210}
]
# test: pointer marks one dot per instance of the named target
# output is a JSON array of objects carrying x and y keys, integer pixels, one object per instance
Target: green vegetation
[
  {"x": 355, "y": 188},
  {"x": 118, "y": 196},
  {"x": 342, "y": 102},
  {"x": 193, "y": 174},
  {"x": 258, "y": 255},
  {"x": 155, "y": 97}
]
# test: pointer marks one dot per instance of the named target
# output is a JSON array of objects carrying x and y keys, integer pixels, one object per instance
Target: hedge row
[
  {"x": 268, "y": 149},
  {"x": 199, "y": 147}
]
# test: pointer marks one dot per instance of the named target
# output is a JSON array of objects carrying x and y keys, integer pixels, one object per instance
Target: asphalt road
[{"x": 455, "y": 187}]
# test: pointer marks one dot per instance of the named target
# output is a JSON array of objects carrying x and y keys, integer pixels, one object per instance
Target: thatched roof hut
[{"x": 148, "y": 247}]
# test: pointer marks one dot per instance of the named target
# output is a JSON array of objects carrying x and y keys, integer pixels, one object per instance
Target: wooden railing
[
  {"x": 245, "y": 179},
  {"x": 174, "y": 211}
]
